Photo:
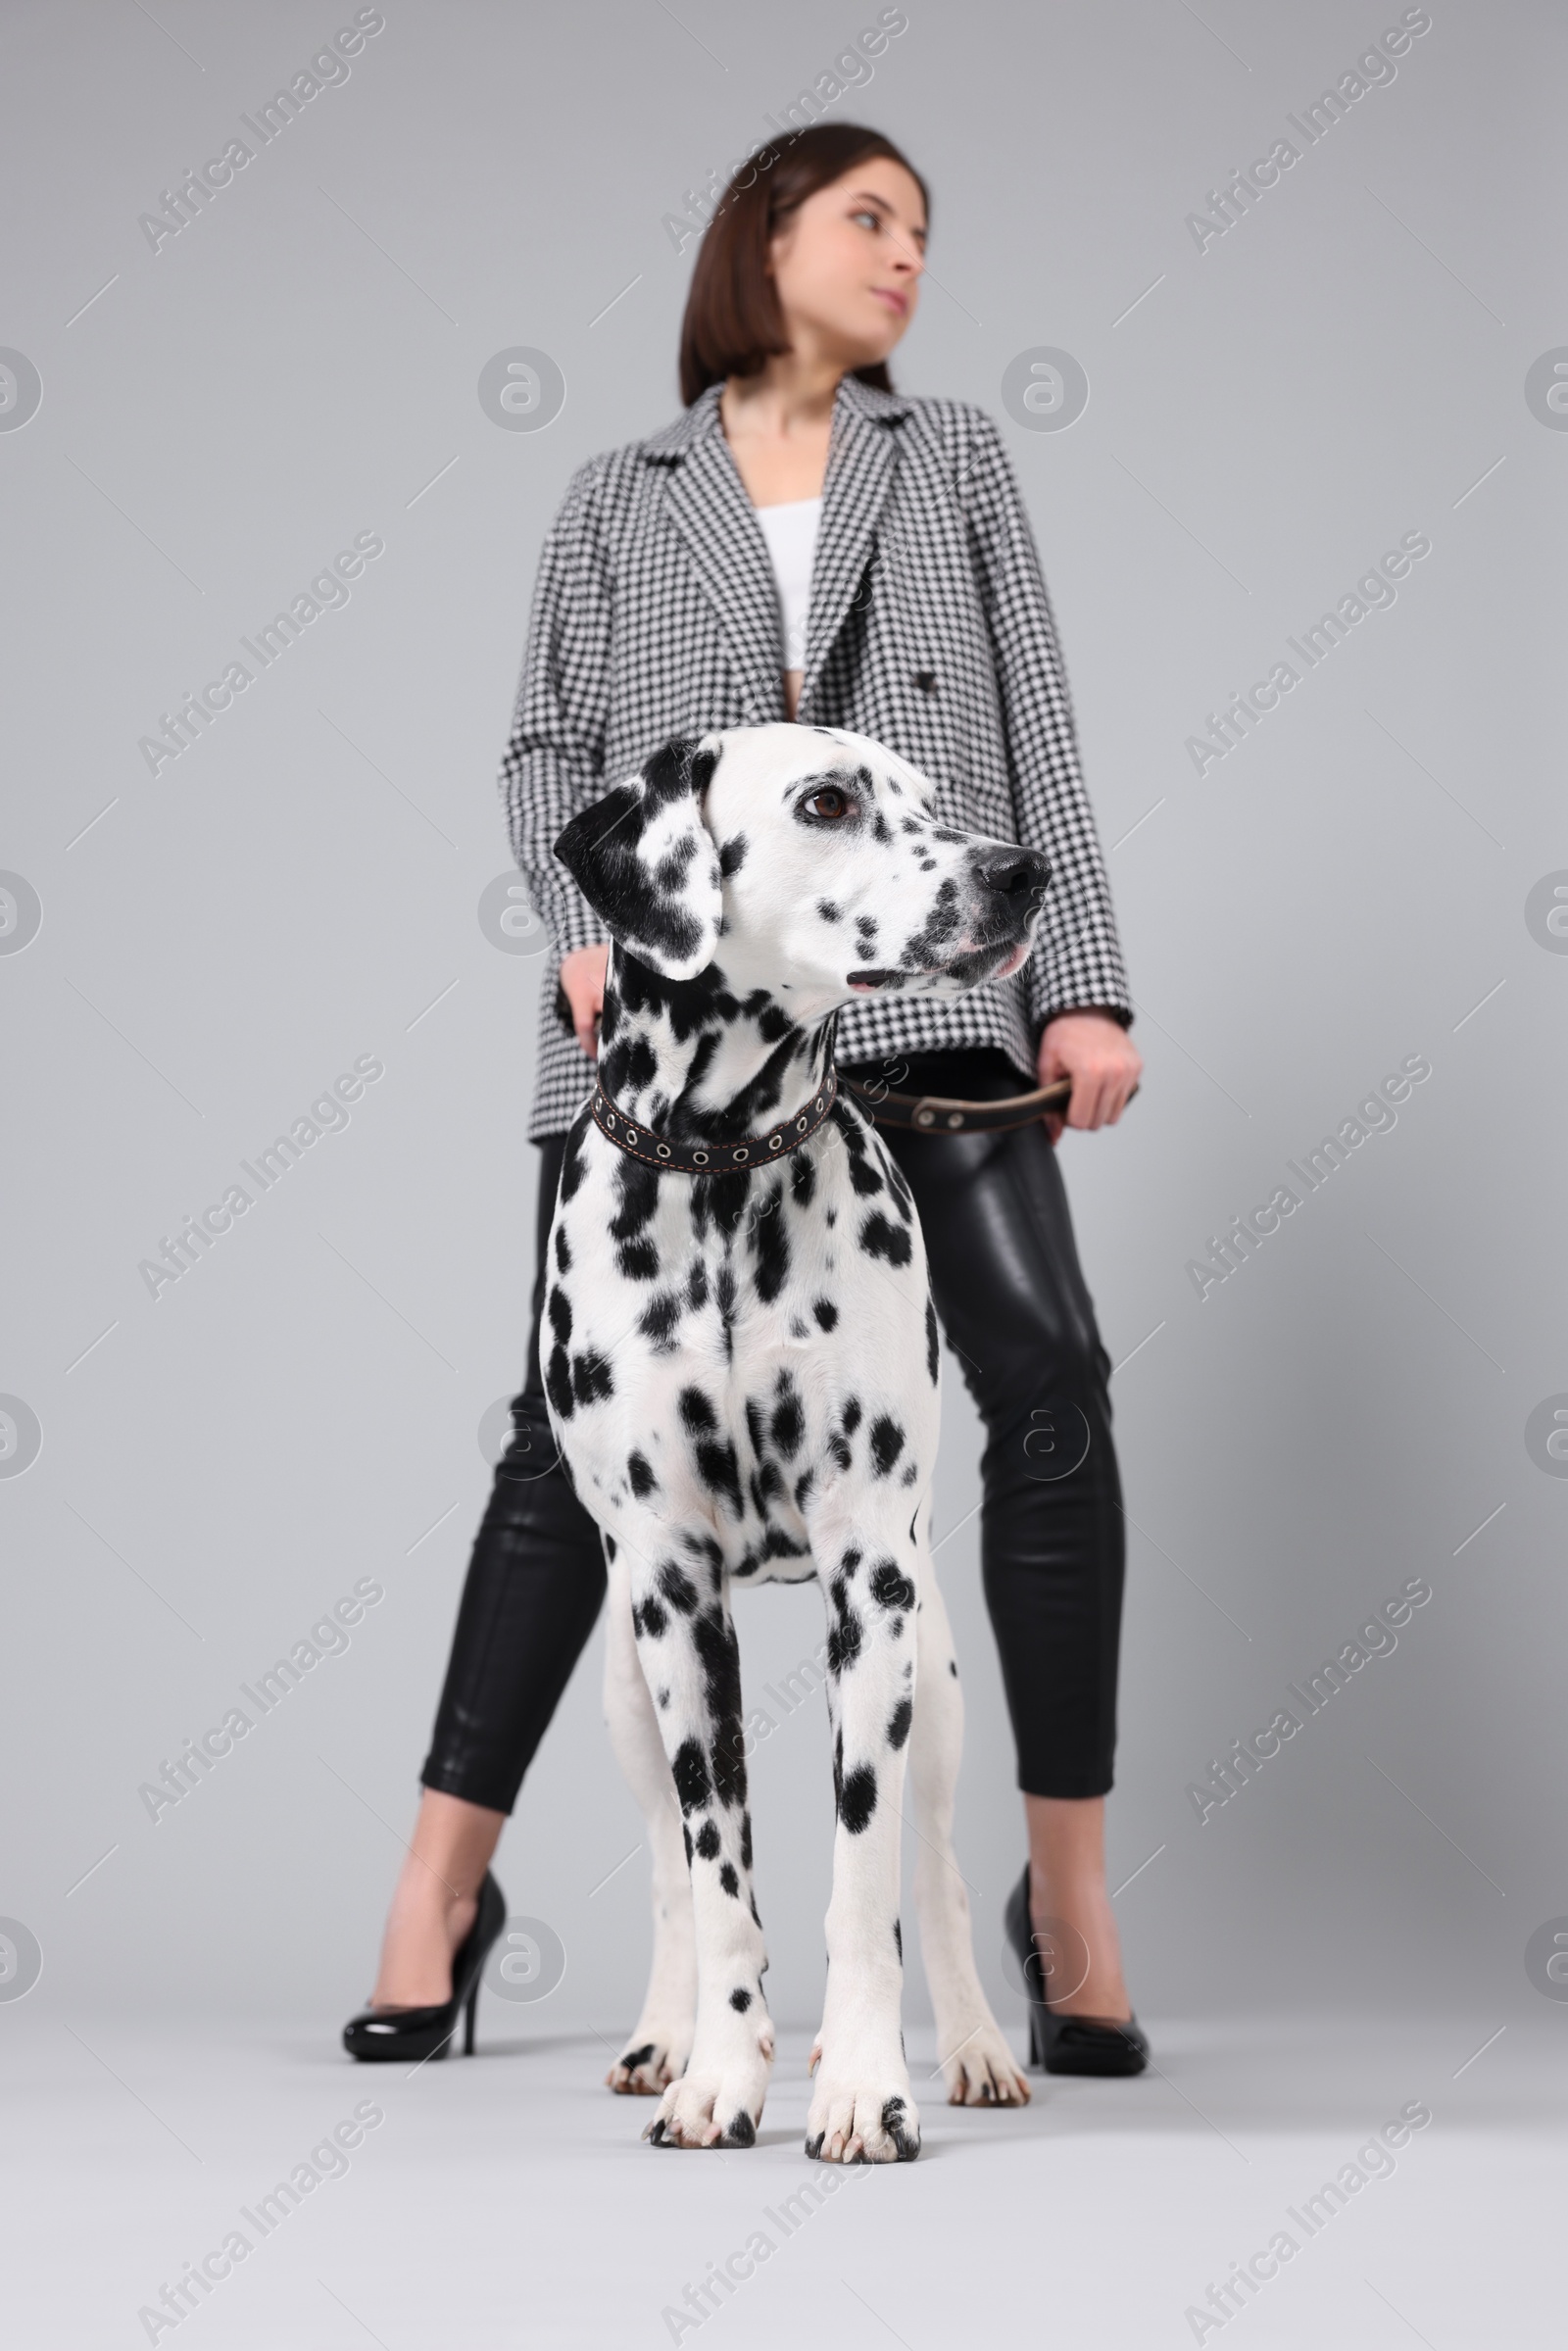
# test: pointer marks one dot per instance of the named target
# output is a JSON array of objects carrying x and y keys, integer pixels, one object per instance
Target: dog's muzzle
[{"x": 712, "y": 1158}]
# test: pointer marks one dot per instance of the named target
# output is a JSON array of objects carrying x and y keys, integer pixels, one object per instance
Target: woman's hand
[
  {"x": 1100, "y": 1059},
  {"x": 582, "y": 982}
]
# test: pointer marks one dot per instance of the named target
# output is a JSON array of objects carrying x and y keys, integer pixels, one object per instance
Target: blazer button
[{"x": 926, "y": 680}]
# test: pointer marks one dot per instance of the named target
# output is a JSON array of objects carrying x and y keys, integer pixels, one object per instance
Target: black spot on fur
[
  {"x": 887, "y": 1443},
  {"x": 899, "y": 1727},
  {"x": 638, "y": 1261},
  {"x": 879, "y": 1239},
  {"x": 563, "y": 1250},
  {"x": 558, "y": 1310},
  {"x": 898, "y": 1937},
  {"x": 660, "y": 1317},
  {"x": 826, "y": 1312},
  {"x": 696, "y": 1412},
  {"x": 677, "y": 1588},
  {"x": 591, "y": 1380},
  {"x": 740, "y": 2001},
  {"x": 692, "y": 1784},
  {"x": 844, "y": 1642},
  {"x": 787, "y": 1424},
  {"x": 851, "y": 1417},
  {"x": 773, "y": 1247},
  {"x": 827, "y": 909},
  {"x": 890, "y": 1586},
  {"x": 729, "y": 1882},
  {"x": 933, "y": 1349},
  {"x": 732, "y": 855},
  {"x": 558, "y": 1384},
  {"x": 640, "y": 1473},
  {"x": 719, "y": 1471},
  {"x": 858, "y": 1800},
  {"x": 649, "y": 1617},
  {"x": 706, "y": 1840}
]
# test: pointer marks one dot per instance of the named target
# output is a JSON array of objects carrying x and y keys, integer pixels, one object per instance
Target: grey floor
[{"x": 508, "y": 2200}]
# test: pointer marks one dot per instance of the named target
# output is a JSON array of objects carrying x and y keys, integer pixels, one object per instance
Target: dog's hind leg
[
  {"x": 660, "y": 2040},
  {"x": 977, "y": 2064}
]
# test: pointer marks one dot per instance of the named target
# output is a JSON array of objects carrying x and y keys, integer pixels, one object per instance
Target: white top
[{"x": 791, "y": 534}]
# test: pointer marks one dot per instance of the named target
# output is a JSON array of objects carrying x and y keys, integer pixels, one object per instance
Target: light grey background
[{"x": 301, "y": 887}]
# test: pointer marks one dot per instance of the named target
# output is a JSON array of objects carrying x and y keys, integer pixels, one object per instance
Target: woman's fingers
[{"x": 582, "y": 981}]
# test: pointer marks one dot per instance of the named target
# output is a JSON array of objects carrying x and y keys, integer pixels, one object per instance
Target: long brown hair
[{"x": 733, "y": 322}]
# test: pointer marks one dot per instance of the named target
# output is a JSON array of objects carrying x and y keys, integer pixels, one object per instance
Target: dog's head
[{"x": 807, "y": 860}]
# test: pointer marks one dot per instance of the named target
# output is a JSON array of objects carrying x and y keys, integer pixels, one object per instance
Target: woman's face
[{"x": 848, "y": 263}]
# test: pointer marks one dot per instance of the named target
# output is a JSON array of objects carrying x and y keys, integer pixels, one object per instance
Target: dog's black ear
[{"x": 644, "y": 861}]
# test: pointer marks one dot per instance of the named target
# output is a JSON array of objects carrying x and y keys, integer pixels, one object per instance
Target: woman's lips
[{"x": 896, "y": 302}]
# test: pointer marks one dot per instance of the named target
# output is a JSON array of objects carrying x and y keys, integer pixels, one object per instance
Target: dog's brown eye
[{"x": 827, "y": 802}]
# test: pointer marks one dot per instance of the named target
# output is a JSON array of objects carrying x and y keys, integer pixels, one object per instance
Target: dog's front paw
[
  {"x": 871, "y": 2119},
  {"x": 651, "y": 2060},
  {"x": 716, "y": 2104},
  {"x": 980, "y": 2070}
]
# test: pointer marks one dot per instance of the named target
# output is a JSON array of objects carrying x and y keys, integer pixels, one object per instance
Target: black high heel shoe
[
  {"x": 380, "y": 2035},
  {"x": 1068, "y": 2044}
]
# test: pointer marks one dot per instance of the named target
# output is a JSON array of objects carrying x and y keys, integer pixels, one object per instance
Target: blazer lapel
[
  {"x": 861, "y": 459},
  {"x": 709, "y": 507}
]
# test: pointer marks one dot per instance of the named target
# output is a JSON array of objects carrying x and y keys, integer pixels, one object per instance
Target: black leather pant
[{"x": 1016, "y": 1311}]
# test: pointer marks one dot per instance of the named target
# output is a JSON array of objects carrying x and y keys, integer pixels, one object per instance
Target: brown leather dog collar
[{"x": 711, "y": 1158}]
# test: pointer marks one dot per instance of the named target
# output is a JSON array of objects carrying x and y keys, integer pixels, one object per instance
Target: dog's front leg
[
  {"x": 977, "y": 2064},
  {"x": 861, "y": 2108},
  {"x": 660, "y": 2040},
  {"x": 691, "y": 1662}
]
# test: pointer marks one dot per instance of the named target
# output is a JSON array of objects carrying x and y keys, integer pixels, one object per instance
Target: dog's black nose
[{"x": 1016, "y": 873}]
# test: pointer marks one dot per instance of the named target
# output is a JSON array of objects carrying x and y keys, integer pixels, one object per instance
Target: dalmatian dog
[{"x": 743, "y": 1378}]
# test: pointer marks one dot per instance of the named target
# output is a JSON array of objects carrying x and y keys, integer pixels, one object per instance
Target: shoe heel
[
  {"x": 1037, "y": 2039},
  {"x": 467, "y": 2019}
]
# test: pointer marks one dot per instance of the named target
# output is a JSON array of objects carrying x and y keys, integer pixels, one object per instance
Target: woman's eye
[
  {"x": 868, "y": 220},
  {"x": 827, "y": 802}
]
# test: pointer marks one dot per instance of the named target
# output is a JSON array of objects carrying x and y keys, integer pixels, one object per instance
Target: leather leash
[{"x": 943, "y": 1114}]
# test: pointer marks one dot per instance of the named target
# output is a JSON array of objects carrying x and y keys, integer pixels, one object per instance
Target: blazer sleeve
[
  {"x": 1077, "y": 959},
  {"x": 553, "y": 764}
]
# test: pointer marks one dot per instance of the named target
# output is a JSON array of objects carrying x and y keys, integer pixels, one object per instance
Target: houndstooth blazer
[{"x": 930, "y": 630}]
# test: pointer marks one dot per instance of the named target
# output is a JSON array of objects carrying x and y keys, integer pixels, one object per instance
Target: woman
[{"x": 804, "y": 543}]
